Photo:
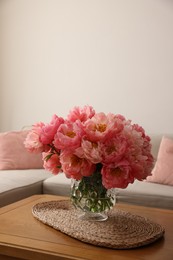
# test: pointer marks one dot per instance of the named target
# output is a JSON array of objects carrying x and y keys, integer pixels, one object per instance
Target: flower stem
[{"x": 90, "y": 195}]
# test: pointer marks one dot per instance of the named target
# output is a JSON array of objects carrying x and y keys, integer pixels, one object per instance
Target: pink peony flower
[
  {"x": 118, "y": 176},
  {"x": 48, "y": 131},
  {"x": 32, "y": 141},
  {"x": 68, "y": 136},
  {"x": 51, "y": 162},
  {"x": 142, "y": 167},
  {"x": 113, "y": 150},
  {"x": 101, "y": 127},
  {"x": 91, "y": 151},
  {"x": 81, "y": 114},
  {"x": 75, "y": 167}
]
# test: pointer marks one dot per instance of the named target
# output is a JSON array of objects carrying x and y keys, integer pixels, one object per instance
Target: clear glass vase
[{"x": 91, "y": 198}]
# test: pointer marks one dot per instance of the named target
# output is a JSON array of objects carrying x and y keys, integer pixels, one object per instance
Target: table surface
[{"x": 24, "y": 237}]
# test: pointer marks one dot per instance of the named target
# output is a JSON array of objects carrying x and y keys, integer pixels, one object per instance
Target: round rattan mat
[{"x": 122, "y": 230}]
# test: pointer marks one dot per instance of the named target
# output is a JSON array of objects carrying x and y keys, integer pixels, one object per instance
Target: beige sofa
[{"x": 18, "y": 184}]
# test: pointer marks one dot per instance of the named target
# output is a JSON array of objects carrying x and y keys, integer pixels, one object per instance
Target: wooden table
[{"x": 24, "y": 237}]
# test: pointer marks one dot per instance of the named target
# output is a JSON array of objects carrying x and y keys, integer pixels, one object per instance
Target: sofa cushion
[
  {"x": 163, "y": 170},
  {"x": 13, "y": 154},
  {"x": 58, "y": 185},
  {"x": 147, "y": 194},
  {"x": 19, "y": 184}
]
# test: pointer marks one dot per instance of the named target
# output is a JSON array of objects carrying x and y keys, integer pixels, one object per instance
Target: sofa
[{"x": 26, "y": 178}]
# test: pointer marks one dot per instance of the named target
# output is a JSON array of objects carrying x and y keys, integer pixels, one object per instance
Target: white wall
[{"x": 114, "y": 55}]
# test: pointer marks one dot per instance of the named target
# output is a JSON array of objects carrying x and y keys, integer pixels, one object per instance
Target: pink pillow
[
  {"x": 13, "y": 154},
  {"x": 163, "y": 170}
]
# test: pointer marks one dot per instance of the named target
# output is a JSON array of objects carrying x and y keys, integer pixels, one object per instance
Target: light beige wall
[{"x": 114, "y": 55}]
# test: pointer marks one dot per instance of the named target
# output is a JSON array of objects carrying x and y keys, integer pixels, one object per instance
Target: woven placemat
[{"x": 122, "y": 230}]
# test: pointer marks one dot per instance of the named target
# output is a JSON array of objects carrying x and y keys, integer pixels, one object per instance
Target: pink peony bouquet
[{"x": 87, "y": 141}]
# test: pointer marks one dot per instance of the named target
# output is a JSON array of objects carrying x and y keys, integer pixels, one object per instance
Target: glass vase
[{"x": 91, "y": 198}]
